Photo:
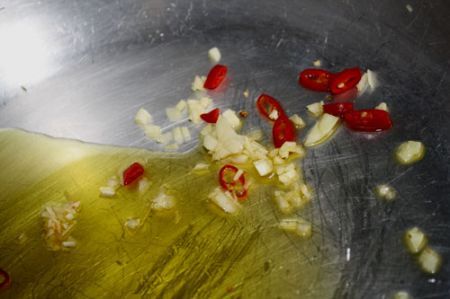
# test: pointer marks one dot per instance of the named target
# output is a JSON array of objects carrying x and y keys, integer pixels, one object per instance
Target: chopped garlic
[
  {"x": 198, "y": 83},
  {"x": 409, "y": 8},
  {"x": 186, "y": 134},
  {"x": 290, "y": 147},
  {"x": 239, "y": 159},
  {"x": 297, "y": 121},
  {"x": 181, "y": 105},
  {"x": 214, "y": 55},
  {"x": 230, "y": 142},
  {"x": 372, "y": 80},
  {"x": 59, "y": 221},
  {"x": 315, "y": 109},
  {"x": 69, "y": 244},
  {"x": 107, "y": 191},
  {"x": 207, "y": 130},
  {"x": 246, "y": 93},
  {"x": 277, "y": 160},
  {"x": 177, "y": 135},
  {"x": 289, "y": 201},
  {"x": 195, "y": 108},
  {"x": 415, "y": 240},
  {"x": 232, "y": 118},
  {"x": 306, "y": 192},
  {"x": 363, "y": 84},
  {"x": 322, "y": 130},
  {"x": 113, "y": 182},
  {"x": 238, "y": 174},
  {"x": 287, "y": 174},
  {"x": 297, "y": 225},
  {"x": 173, "y": 114},
  {"x": 385, "y": 192},
  {"x": 274, "y": 114},
  {"x": 382, "y": 106},
  {"x": 133, "y": 223},
  {"x": 264, "y": 167},
  {"x": 401, "y": 295},
  {"x": 143, "y": 117},
  {"x": 206, "y": 102},
  {"x": 166, "y": 138},
  {"x": 163, "y": 202},
  {"x": 282, "y": 203},
  {"x": 153, "y": 132},
  {"x": 255, "y": 134},
  {"x": 430, "y": 261},
  {"x": 410, "y": 152},
  {"x": 143, "y": 185},
  {"x": 210, "y": 143},
  {"x": 200, "y": 167},
  {"x": 317, "y": 63},
  {"x": 224, "y": 200}
]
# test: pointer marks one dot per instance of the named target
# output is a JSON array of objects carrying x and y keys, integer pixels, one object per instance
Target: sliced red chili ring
[
  {"x": 228, "y": 183},
  {"x": 134, "y": 172},
  {"x": 368, "y": 120},
  {"x": 315, "y": 79},
  {"x": 283, "y": 130},
  {"x": 215, "y": 76},
  {"x": 211, "y": 117},
  {"x": 338, "y": 109},
  {"x": 5, "y": 280},
  {"x": 267, "y": 104},
  {"x": 345, "y": 80}
]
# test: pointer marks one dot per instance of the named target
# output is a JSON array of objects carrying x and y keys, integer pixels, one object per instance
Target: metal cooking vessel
[{"x": 80, "y": 69}]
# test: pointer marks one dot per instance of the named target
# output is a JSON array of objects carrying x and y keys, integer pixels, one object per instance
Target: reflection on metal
[{"x": 25, "y": 55}]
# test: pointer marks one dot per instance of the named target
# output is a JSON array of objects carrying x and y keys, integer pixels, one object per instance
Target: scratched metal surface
[{"x": 80, "y": 69}]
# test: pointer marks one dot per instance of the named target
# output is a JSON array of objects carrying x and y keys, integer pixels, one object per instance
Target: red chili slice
[
  {"x": 5, "y": 280},
  {"x": 132, "y": 173},
  {"x": 267, "y": 104},
  {"x": 338, "y": 109},
  {"x": 226, "y": 180},
  {"x": 368, "y": 120},
  {"x": 283, "y": 130},
  {"x": 215, "y": 76},
  {"x": 211, "y": 117},
  {"x": 315, "y": 79},
  {"x": 345, "y": 80}
]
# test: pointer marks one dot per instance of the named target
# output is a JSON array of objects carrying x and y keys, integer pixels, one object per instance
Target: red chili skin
[
  {"x": 283, "y": 130},
  {"x": 338, "y": 109},
  {"x": 315, "y": 79},
  {"x": 133, "y": 173},
  {"x": 368, "y": 120},
  {"x": 6, "y": 280},
  {"x": 236, "y": 187},
  {"x": 345, "y": 80},
  {"x": 215, "y": 76},
  {"x": 266, "y": 104},
  {"x": 211, "y": 117}
]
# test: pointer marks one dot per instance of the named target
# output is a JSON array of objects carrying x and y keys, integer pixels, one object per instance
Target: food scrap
[
  {"x": 385, "y": 192},
  {"x": 410, "y": 152},
  {"x": 59, "y": 222},
  {"x": 214, "y": 55},
  {"x": 417, "y": 244}
]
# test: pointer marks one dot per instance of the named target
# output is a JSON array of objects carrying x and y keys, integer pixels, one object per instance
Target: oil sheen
[{"x": 192, "y": 252}]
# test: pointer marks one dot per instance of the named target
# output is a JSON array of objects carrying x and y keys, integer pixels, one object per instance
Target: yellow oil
[{"x": 193, "y": 252}]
